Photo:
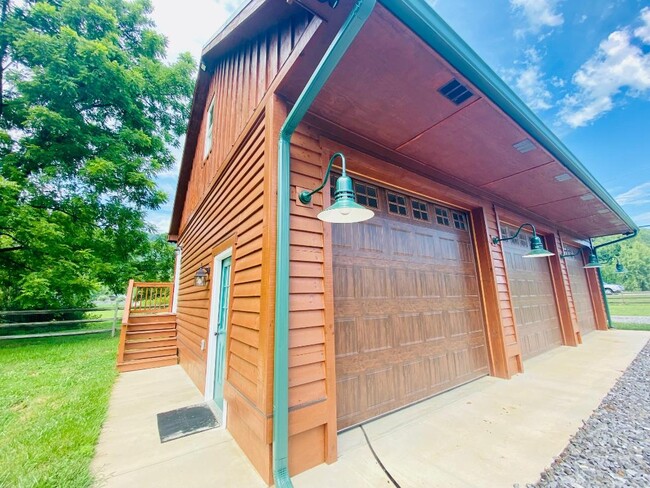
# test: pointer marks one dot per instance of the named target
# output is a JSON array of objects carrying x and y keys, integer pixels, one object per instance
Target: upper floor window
[{"x": 209, "y": 129}]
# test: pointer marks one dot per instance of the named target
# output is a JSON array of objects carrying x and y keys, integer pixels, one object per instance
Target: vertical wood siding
[{"x": 240, "y": 80}]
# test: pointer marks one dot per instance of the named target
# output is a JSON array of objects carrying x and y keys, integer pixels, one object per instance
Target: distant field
[{"x": 630, "y": 304}]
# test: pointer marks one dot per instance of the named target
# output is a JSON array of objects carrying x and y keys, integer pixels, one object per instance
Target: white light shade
[{"x": 346, "y": 215}]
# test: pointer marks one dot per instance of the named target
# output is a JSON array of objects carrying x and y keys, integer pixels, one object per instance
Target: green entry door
[{"x": 220, "y": 332}]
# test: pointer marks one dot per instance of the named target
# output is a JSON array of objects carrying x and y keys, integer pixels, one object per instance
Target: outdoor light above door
[
  {"x": 537, "y": 249},
  {"x": 345, "y": 209},
  {"x": 201, "y": 276}
]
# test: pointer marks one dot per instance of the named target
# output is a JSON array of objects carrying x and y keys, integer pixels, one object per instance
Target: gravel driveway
[
  {"x": 612, "y": 448},
  {"x": 629, "y": 319}
]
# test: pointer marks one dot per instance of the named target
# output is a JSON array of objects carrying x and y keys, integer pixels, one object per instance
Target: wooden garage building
[{"x": 408, "y": 304}]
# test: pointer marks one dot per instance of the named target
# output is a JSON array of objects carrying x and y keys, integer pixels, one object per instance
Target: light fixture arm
[
  {"x": 570, "y": 255},
  {"x": 305, "y": 195},
  {"x": 629, "y": 235},
  {"x": 496, "y": 240}
]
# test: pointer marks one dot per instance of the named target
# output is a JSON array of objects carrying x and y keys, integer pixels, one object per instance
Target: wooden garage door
[
  {"x": 408, "y": 320},
  {"x": 531, "y": 288},
  {"x": 580, "y": 291}
]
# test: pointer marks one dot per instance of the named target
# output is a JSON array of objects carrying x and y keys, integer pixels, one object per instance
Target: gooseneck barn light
[
  {"x": 345, "y": 209},
  {"x": 594, "y": 262},
  {"x": 537, "y": 249},
  {"x": 201, "y": 276}
]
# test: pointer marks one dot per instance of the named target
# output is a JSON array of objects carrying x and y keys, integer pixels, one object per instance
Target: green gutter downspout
[
  {"x": 349, "y": 30},
  {"x": 594, "y": 249}
]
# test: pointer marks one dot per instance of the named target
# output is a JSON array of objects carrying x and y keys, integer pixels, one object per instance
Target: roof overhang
[{"x": 386, "y": 91}]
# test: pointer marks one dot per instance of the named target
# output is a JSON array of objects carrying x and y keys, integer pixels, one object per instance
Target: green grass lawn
[
  {"x": 53, "y": 399},
  {"x": 632, "y": 326},
  {"x": 637, "y": 304}
]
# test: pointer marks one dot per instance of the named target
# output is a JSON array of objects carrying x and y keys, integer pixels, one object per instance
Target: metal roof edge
[{"x": 419, "y": 16}]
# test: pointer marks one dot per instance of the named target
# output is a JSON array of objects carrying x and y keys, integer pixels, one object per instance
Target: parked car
[{"x": 611, "y": 288}]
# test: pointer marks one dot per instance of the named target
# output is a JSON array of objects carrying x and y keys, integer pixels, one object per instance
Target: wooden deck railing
[
  {"x": 144, "y": 299},
  {"x": 148, "y": 298}
]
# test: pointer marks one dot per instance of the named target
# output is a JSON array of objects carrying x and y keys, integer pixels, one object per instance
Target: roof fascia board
[
  {"x": 429, "y": 26},
  {"x": 243, "y": 12}
]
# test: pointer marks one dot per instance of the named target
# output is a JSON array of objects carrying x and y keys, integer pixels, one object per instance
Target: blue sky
[{"x": 583, "y": 66}]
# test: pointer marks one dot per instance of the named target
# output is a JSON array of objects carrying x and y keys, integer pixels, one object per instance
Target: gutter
[
  {"x": 632, "y": 235},
  {"x": 429, "y": 26},
  {"x": 344, "y": 38}
]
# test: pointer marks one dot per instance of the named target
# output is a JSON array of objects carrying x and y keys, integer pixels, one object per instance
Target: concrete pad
[
  {"x": 129, "y": 452},
  {"x": 488, "y": 433}
]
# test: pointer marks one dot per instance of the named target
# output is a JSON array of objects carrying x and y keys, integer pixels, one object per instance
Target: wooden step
[
  {"x": 150, "y": 334},
  {"x": 139, "y": 364},
  {"x": 140, "y": 343},
  {"x": 151, "y": 326},
  {"x": 149, "y": 318},
  {"x": 149, "y": 352}
]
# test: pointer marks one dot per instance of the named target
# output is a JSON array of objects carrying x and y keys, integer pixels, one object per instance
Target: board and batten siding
[{"x": 239, "y": 81}]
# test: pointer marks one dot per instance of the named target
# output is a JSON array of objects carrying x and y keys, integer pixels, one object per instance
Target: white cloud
[
  {"x": 538, "y": 14},
  {"x": 619, "y": 64},
  {"x": 639, "y": 195},
  {"x": 160, "y": 221},
  {"x": 529, "y": 82},
  {"x": 188, "y": 27},
  {"x": 642, "y": 219},
  {"x": 643, "y": 32}
]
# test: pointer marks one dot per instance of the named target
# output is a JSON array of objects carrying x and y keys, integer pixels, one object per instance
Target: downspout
[
  {"x": 594, "y": 249},
  {"x": 348, "y": 32}
]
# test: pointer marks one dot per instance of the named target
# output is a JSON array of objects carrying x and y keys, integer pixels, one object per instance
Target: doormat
[{"x": 185, "y": 421}]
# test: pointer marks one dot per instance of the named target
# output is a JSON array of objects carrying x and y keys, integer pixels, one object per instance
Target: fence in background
[{"x": 12, "y": 322}]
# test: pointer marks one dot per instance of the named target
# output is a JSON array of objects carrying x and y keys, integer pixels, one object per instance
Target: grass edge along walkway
[{"x": 54, "y": 395}]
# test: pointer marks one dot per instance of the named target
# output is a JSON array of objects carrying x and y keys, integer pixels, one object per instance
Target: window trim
[{"x": 208, "y": 136}]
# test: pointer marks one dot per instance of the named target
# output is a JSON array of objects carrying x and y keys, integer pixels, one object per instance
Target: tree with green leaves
[
  {"x": 88, "y": 112},
  {"x": 634, "y": 255}
]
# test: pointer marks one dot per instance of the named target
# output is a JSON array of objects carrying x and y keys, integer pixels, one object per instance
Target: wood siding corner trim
[
  {"x": 596, "y": 295},
  {"x": 515, "y": 359},
  {"x": 490, "y": 296},
  {"x": 331, "y": 444},
  {"x": 559, "y": 274}
]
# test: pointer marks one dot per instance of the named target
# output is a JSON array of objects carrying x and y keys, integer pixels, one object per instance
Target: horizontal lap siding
[
  {"x": 567, "y": 283},
  {"x": 240, "y": 80},
  {"x": 307, "y": 288},
  {"x": 228, "y": 194},
  {"x": 311, "y": 406},
  {"x": 234, "y": 206},
  {"x": 510, "y": 337}
]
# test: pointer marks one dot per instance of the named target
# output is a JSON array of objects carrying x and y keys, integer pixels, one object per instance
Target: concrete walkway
[
  {"x": 489, "y": 433},
  {"x": 129, "y": 453}
]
